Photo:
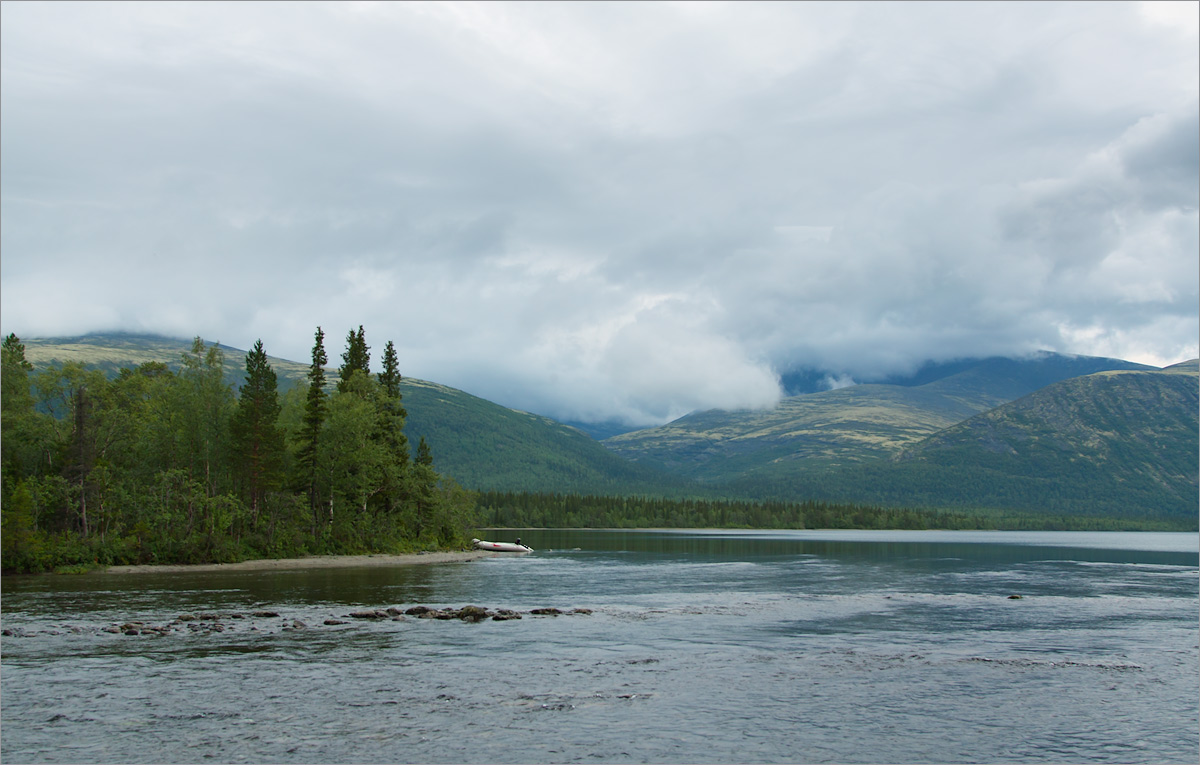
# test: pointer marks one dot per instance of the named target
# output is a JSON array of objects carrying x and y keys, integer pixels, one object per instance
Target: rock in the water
[
  {"x": 334, "y": 622},
  {"x": 418, "y": 610},
  {"x": 264, "y": 614},
  {"x": 1015, "y": 597},
  {"x": 504, "y": 615},
  {"x": 472, "y": 613},
  {"x": 584, "y": 611},
  {"x": 546, "y": 611}
]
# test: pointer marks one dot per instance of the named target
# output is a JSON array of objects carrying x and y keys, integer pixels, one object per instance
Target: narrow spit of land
[{"x": 317, "y": 561}]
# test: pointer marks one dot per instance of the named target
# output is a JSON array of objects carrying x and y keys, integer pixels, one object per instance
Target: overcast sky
[{"x": 608, "y": 210}]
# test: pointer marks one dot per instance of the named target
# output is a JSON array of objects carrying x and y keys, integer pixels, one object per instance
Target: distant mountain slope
[
  {"x": 481, "y": 444},
  {"x": 112, "y": 351},
  {"x": 487, "y": 446},
  {"x": 842, "y": 427},
  {"x": 1113, "y": 443},
  {"x": 1024, "y": 375}
]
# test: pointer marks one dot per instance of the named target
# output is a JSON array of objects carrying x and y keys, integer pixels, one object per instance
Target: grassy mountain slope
[
  {"x": 819, "y": 431},
  {"x": 481, "y": 444},
  {"x": 1123, "y": 443},
  {"x": 112, "y": 351}
]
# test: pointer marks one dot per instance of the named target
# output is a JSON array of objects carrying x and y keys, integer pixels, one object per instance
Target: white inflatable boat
[{"x": 501, "y": 546}]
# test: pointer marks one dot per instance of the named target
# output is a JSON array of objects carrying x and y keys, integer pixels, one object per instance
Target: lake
[{"x": 701, "y": 646}]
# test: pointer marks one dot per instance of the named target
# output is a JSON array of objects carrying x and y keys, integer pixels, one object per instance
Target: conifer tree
[
  {"x": 390, "y": 376},
  {"x": 258, "y": 442},
  {"x": 356, "y": 358},
  {"x": 315, "y": 410},
  {"x": 424, "y": 488},
  {"x": 391, "y": 429}
]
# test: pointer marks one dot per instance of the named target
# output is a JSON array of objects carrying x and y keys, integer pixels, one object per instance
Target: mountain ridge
[
  {"x": 849, "y": 425},
  {"x": 838, "y": 445}
]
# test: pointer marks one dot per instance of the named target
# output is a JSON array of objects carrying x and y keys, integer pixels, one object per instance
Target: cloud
[{"x": 603, "y": 211}]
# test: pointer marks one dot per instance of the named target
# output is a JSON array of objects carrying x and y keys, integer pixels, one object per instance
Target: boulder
[{"x": 473, "y": 613}]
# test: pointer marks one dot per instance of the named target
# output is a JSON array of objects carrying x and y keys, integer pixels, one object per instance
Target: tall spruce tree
[
  {"x": 356, "y": 358},
  {"x": 391, "y": 424},
  {"x": 316, "y": 407},
  {"x": 257, "y": 440},
  {"x": 389, "y": 378}
]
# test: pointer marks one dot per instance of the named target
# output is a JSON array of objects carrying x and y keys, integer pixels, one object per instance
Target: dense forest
[
  {"x": 156, "y": 466},
  {"x": 538, "y": 510}
]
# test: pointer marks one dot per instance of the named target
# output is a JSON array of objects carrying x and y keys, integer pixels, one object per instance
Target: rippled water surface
[{"x": 701, "y": 646}]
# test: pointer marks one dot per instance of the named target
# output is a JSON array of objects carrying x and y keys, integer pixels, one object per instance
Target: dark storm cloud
[{"x": 597, "y": 210}]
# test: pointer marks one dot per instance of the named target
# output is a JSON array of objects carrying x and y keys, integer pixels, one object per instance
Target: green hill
[
  {"x": 1122, "y": 441},
  {"x": 487, "y": 446},
  {"x": 480, "y": 444},
  {"x": 1119, "y": 443},
  {"x": 112, "y": 351},
  {"x": 816, "y": 432}
]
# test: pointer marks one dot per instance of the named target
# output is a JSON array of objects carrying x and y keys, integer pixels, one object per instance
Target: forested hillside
[
  {"x": 816, "y": 432},
  {"x": 481, "y": 444},
  {"x": 157, "y": 465},
  {"x": 1121, "y": 444},
  {"x": 876, "y": 453},
  {"x": 487, "y": 446}
]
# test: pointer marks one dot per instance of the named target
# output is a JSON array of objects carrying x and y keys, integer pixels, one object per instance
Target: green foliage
[
  {"x": 1121, "y": 445},
  {"x": 356, "y": 358},
  {"x": 528, "y": 510},
  {"x": 160, "y": 466},
  {"x": 309, "y": 434},
  {"x": 258, "y": 449}
]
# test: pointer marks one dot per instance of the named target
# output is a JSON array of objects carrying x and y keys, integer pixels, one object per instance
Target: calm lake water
[{"x": 702, "y": 646}]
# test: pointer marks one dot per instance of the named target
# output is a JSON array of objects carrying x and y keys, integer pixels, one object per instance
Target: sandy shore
[{"x": 318, "y": 561}]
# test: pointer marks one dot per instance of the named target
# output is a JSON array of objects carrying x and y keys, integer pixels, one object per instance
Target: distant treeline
[
  {"x": 532, "y": 510},
  {"x": 155, "y": 466}
]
